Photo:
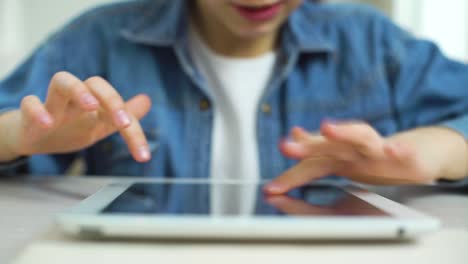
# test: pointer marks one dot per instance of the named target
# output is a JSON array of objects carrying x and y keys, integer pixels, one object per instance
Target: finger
[
  {"x": 305, "y": 150},
  {"x": 299, "y": 134},
  {"x": 292, "y": 206},
  {"x": 136, "y": 141},
  {"x": 301, "y": 174},
  {"x": 139, "y": 105},
  {"x": 305, "y": 145},
  {"x": 359, "y": 135},
  {"x": 73, "y": 112},
  {"x": 110, "y": 100},
  {"x": 300, "y": 144},
  {"x": 292, "y": 149},
  {"x": 35, "y": 113},
  {"x": 133, "y": 135},
  {"x": 65, "y": 88}
]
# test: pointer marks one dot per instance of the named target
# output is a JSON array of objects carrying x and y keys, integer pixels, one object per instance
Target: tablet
[{"x": 233, "y": 210}]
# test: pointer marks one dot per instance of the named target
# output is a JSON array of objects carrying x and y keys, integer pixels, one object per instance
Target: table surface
[{"x": 29, "y": 205}]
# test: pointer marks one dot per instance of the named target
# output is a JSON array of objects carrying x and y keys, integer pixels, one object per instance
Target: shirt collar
[
  {"x": 160, "y": 25},
  {"x": 305, "y": 28},
  {"x": 164, "y": 23}
]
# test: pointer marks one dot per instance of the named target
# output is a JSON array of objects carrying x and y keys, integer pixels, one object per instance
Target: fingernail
[
  {"x": 89, "y": 100},
  {"x": 294, "y": 146},
  {"x": 331, "y": 125},
  {"x": 274, "y": 188},
  {"x": 330, "y": 129},
  {"x": 45, "y": 120},
  {"x": 144, "y": 153},
  {"x": 122, "y": 118}
]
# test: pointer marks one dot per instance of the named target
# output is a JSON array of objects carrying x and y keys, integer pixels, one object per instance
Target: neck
[{"x": 221, "y": 41}]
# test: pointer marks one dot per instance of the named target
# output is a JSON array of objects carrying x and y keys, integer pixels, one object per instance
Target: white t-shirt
[{"x": 237, "y": 85}]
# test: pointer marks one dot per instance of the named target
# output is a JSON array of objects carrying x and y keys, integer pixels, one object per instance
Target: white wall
[
  {"x": 11, "y": 33},
  {"x": 445, "y": 21},
  {"x": 442, "y": 21},
  {"x": 26, "y": 23}
]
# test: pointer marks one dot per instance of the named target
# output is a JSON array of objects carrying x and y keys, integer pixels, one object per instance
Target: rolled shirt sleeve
[
  {"x": 12, "y": 166},
  {"x": 32, "y": 77},
  {"x": 459, "y": 125},
  {"x": 428, "y": 88}
]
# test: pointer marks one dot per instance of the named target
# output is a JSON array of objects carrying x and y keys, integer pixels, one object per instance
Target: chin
[{"x": 252, "y": 33}]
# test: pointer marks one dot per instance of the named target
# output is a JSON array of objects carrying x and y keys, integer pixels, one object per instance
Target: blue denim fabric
[{"x": 335, "y": 62}]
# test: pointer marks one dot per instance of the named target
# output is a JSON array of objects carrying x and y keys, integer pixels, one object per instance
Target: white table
[{"x": 28, "y": 234}]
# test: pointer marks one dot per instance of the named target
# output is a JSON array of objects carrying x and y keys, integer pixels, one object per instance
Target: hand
[
  {"x": 75, "y": 115},
  {"x": 356, "y": 151}
]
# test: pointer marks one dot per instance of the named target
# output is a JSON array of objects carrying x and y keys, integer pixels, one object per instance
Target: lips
[{"x": 259, "y": 13}]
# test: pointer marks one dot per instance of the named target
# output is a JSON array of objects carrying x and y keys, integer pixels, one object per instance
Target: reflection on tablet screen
[{"x": 201, "y": 199}]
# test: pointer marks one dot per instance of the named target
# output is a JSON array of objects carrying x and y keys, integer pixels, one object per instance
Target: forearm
[
  {"x": 7, "y": 120},
  {"x": 442, "y": 151}
]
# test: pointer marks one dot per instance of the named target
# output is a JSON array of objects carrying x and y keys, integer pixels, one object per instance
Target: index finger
[
  {"x": 308, "y": 145},
  {"x": 110, "y": 100},
  {"x": 301, "y": 174},
  {"x": 364, "y": 139},
  {"x": 136, "y": 141},
  {"x": 133, "y": 135},
  {"x": 114, "y": 106}
]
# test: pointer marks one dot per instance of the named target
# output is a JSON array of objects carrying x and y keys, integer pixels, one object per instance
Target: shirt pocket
[
  {"x": 364, "y": 96},
  {"x": 368, "y": 98}
]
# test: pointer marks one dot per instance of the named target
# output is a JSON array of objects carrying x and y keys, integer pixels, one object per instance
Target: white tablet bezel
[{"x": 85, "y": 219}]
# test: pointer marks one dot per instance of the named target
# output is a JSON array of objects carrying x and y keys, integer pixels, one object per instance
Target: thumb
[{"x": 139, "y": 105}]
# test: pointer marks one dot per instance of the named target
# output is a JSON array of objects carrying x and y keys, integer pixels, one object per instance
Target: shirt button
[
  {"x": 266, "y": 108},
  {"x": 204, "y": 105}
]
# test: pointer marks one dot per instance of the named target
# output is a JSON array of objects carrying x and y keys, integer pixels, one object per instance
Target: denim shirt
[{"x": 334, "y": 62}]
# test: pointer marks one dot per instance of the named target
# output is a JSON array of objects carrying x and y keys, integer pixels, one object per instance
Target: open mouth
[{"x": 259, "y": 13}]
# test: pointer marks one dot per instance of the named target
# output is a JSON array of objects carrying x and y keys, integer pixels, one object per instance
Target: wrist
[
  {"x": 442, "y": 152},
  {"x": 456, "y": 165},
  {"x": 9, "y": 122}
]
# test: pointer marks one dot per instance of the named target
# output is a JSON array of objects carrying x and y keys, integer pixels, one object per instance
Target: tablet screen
[{"x": 237, "y": 199}]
